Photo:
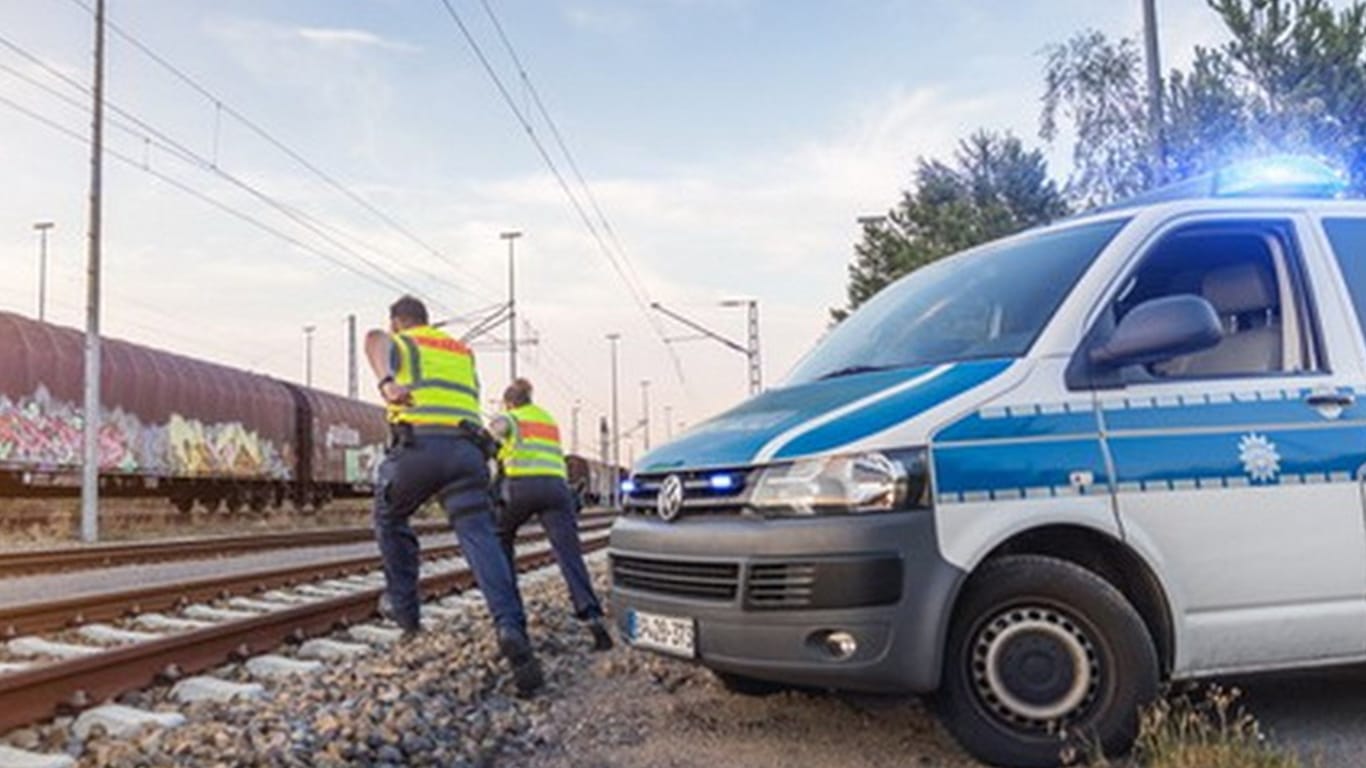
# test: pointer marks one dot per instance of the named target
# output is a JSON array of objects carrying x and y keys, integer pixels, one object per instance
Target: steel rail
[
  {"x": 43, "y": 692},
  {"x": 52, "y": 615},
  {"x": 30, "y": 562}
]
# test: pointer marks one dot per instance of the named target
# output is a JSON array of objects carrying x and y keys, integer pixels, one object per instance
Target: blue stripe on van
[
  {"x": 1018, "y": 470},
  {"x": 894, "y": 410}
]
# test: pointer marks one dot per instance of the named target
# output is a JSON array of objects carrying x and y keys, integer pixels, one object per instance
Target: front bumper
[{"x": 836, "y": 569}]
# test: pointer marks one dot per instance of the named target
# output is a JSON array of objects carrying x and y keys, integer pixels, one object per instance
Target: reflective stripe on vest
[
  {"x": 439, "y": 373},
  {"x": 533, "y": 448}
]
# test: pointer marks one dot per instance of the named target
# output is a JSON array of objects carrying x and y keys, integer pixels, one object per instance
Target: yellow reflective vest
[
  {"x": 532, "y": 447},
  {"x": 439, "y": 373}
]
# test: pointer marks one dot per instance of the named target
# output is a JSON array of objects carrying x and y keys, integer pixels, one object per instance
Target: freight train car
[
  {"x": 186, "y": 429},
  {"x": 592, "y": 481}
]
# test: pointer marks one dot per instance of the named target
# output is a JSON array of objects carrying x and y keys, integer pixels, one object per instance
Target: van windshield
[{"x": 991, "y": 301}]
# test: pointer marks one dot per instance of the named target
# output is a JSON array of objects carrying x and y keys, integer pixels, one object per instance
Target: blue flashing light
[
  {"x": 628, "y": 487},
  {"x": 721, "y": 482},
  {"x": 1280, "y": 175}
]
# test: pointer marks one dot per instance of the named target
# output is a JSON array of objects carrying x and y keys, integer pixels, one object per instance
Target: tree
[
  {"x": 1292, "y": 79},
  {"x": 993, "y": 188}
]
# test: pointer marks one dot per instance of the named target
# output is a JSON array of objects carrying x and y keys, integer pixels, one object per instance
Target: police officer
[
  {"x": 535, "y": 482},
  {"x": 438, "y": 448}
]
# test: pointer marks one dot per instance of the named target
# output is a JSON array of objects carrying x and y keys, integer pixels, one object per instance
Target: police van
[{"x": 1038, "y": 477}]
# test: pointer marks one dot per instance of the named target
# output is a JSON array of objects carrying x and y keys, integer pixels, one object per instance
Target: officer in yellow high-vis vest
[
  {"x": 535, "y": 482},
  {"x": 439, "y": 448}
]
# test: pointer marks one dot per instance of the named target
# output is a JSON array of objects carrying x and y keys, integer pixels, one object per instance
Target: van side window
[
  {"x": 1249, "y": 272},
  {"x": 1348, "y": 238}
]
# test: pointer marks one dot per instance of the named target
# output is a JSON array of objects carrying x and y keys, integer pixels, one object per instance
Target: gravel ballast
[{"x": 446, "y": 698}]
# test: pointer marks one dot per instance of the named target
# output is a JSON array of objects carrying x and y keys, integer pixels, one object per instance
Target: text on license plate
[{"x": 670, "y": 634}]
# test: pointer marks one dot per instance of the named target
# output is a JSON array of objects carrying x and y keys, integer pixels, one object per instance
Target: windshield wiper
[{"x": 853, "y": 369}]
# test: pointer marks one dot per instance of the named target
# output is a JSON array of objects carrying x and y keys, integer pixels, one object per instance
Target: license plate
[{"x": 669, "y": 634}]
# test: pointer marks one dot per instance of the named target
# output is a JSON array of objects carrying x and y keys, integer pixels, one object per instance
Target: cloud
[{"x": 350, "y": 39}]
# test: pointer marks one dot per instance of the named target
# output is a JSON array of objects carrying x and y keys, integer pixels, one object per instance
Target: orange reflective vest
[
  {"x": 439, "y": 373},
  {"x": 532, "y": 449}
]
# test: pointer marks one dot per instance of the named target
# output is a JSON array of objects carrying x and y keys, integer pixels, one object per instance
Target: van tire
[
  {"x": 747, "y": 686},
  {"x": 1092, "y": 664}
]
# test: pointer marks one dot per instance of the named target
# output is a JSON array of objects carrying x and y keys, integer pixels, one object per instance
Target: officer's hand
[{"x": 396, "y": 394}]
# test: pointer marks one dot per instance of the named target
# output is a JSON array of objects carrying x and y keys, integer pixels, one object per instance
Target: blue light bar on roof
[{"x": 1280, "y": 176}]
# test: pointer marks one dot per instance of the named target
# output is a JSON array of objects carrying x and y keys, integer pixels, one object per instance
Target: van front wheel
[{"x": 1044, "y": 654}]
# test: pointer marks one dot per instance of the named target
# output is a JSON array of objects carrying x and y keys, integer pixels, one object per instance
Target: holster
[
  {"x": 400, "y": 434},
  {"x": 482, "y": 439}
]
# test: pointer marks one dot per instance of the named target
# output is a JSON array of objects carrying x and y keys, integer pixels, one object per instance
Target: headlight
[{"x": 855, "y": 483}]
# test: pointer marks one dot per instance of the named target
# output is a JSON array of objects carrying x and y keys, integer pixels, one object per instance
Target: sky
[{"x": 729, "y": 144}]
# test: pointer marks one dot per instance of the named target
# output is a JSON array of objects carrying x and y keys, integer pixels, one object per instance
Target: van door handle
[{"x": 1330, "y": 399}]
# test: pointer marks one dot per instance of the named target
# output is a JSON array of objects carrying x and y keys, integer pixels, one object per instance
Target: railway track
[
  {"x": 57, "y": 687},
  {"x": 28, "y": 562}
]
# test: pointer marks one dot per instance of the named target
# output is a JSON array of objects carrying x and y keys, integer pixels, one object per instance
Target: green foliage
[
  {"x": 1292, "y": 79},
  {"x": 993, "y": 188}
]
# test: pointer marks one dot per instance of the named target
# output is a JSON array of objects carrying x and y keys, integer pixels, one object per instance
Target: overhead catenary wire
[
  {"x": 155, "y": 137},
  {"x": 222, "y": 107},
  {"x": 638, "y": 294}
]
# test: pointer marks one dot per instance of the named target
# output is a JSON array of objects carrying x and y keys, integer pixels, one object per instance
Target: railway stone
[
  {"x": 10, "y": 667},
  {"x": 209, "y": 613},
  {"x": 22, "y": 758},
  {"x": 205, "y": 688},
  {"x": 273, "y": 667},
  {"x": 282, "y": 596},
  {"x": 160, "y": 621},
  {"x": 107, "y": 635},
  {"x": 30, "y": 647},
  {"x": 375, "y": 634},
  {"x": 258, "y": 606},
  {"x": 324, "y": 649},
  {"x": 441, "y": 612},
  {"x": 314, "y": 590},
  {"x": 120, "y": 721}
]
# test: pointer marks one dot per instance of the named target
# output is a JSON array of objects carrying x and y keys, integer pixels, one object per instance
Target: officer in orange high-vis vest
[
  {"x": 438, "y": 448},
  {"x": 535, "y": 482}
]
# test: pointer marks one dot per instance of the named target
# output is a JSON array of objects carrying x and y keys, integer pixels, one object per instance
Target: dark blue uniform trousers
[
  {"x": 551, "y": 500},
  {"x": 451, "y": 467}
]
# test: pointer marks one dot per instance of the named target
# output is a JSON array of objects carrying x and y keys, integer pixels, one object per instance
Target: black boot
[
  {"x": 526, "y": 671},
  {"x": 602, "y": 638}
]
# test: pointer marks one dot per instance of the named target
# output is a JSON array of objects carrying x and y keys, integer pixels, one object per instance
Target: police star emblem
[{"x": 1260, "y": 460}]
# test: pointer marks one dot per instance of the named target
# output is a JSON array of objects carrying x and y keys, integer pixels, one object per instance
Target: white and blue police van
[{"x": 1037, "y": 478}]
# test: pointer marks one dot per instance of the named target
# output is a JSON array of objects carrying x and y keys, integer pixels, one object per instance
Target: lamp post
[
  {"x": 42, "y": 227},
  {"x": 645, "y": 413},
  {"x": 308, "y": 354},
  {"x": 574, "y": 427},
  {"x": 512, "y": 305},
  {"x": 613, "y": 339}
]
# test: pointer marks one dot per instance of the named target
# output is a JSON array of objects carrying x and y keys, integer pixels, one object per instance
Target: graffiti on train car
[{"x": 43, "y": 432}]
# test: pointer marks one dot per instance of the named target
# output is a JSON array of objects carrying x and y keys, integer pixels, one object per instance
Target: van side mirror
[{"x": 1157, "y": 330}]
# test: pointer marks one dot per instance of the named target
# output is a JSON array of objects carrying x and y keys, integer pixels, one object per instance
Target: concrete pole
[
  {"x": 512, "y": 306},
  {"x": 645, "y": 412},
  {"x": 308, "y": 354},
  {"x": 1155, "y": 119},
  {"x": 42, "y": 227},
  {"x": 574, "y": 427},
  {"x": 668, "y": 422},
  {"x": 352, "y": 375},
  {"x": 90, "y": 467},
  {"x": 756, "y": 370}
]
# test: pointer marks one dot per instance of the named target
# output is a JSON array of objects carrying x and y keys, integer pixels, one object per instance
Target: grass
[{"x": 1201, "y": 729}]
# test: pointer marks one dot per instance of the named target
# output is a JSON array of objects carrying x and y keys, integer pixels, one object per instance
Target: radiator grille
[{"x": 699, "y": 580}]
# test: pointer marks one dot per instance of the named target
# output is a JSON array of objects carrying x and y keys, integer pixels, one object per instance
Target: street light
[
  {"x": 308, "y": 354},
  {"x": 645, "y": 412},
  {"x": 613, "y": 339},
  {"x": 574, "y": 434},
  {"x": 42, "y": 227},
  {"x": 512, "y": 304}
]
